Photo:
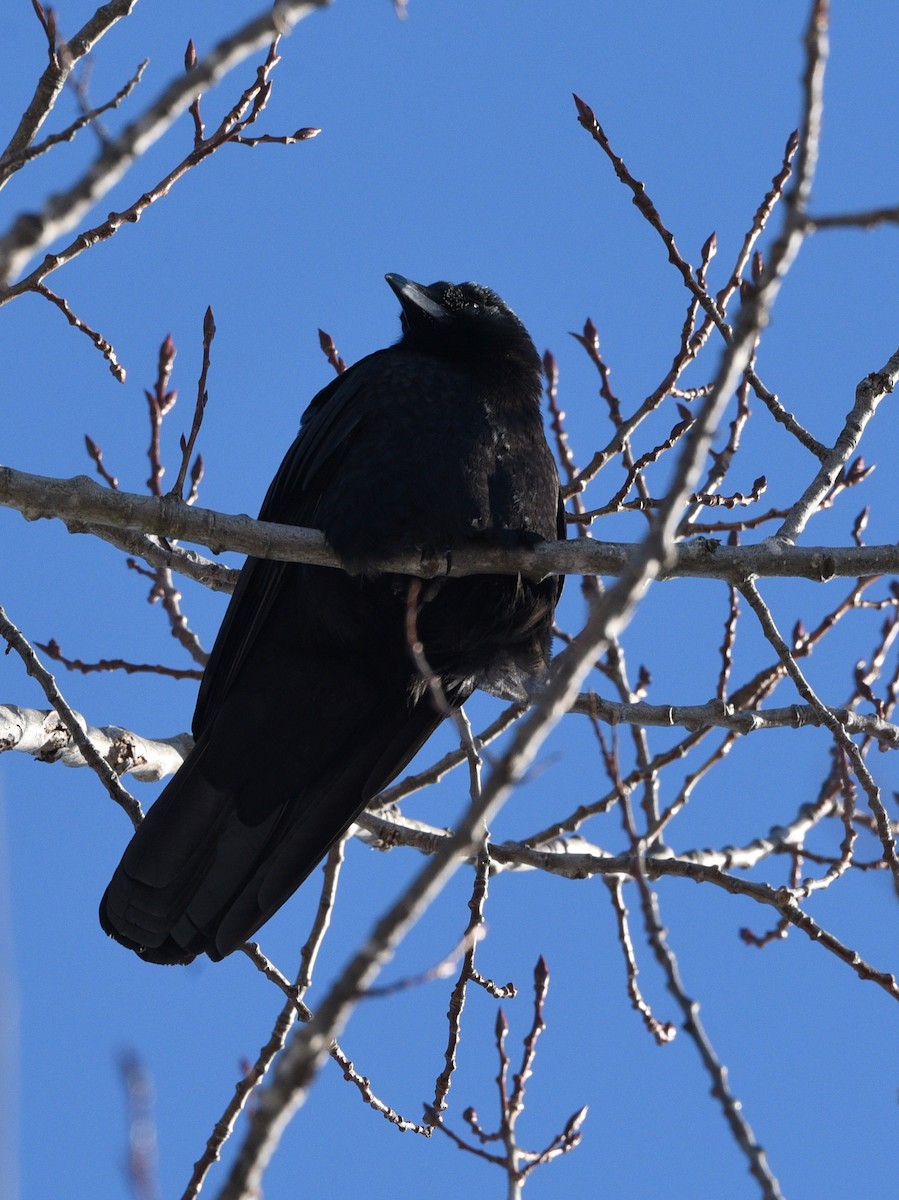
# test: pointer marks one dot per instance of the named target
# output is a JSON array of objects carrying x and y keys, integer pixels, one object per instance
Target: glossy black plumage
[{"x": 311, "y": 703}]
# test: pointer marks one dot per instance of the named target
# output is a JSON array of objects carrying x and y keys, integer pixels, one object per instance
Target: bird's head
[{"x": 462, "y": 321}]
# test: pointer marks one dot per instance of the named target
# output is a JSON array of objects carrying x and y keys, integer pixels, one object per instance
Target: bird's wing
[
  {"x": 292, "y": 498},
  {"x": 303, "y": 714}
]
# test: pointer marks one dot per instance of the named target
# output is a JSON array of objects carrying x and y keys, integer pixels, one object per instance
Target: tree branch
[
  {"x": 54, "y": 79},
  {"x": 71, "y": 722},
  {"x": 37, "y": 732},
  {"x": 81, "y": 504},
  {"x": 32, "y": 232}
]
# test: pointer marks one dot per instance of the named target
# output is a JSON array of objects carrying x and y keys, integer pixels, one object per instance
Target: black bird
[{"x": 311, "y": 702}]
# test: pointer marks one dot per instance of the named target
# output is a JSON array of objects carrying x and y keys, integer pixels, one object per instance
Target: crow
[{"x": 312, "y": 702}]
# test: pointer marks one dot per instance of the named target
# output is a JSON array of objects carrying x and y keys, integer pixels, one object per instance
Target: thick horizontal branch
[
  {"x": 80, "y": 502},
  {"x": 40, "y": 732}
]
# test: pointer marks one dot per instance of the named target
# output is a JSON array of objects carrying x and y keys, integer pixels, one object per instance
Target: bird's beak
[{"x": 412, "y": 296}]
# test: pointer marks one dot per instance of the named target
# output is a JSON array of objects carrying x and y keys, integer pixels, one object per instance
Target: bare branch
[
  {"x": 841, "y": 736},
  {"x": 52, "y": 650},
  {"x": 63, "y": 211},
  {"x": 868, "y": 219},
  {"x": 21, "y": 157},
  {"x": 663, "y": 1032},
  {"x": 40, "y": 733},
  {"x": 287, "y": 1017},
  {"x": 785, "y": 252},
  {"x": 105, "y": 348},
  {"x": 330, "y": 351},
  {"x": 868, "y": 395},
  {"x": 97, "y": 455},
  {"x": 187, "y": 446},
  {"x": 54, "y": 78},
  {"x": 80, "y": 503},
  {"x": 69, "y": 718}
]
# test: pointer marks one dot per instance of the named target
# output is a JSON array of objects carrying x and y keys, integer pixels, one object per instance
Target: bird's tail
[{"x": 223, "y": 848}]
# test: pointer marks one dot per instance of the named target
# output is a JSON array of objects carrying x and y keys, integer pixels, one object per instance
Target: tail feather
[
  {"x": 198, "y": 877},
  {"x": 300, "y": 732}
]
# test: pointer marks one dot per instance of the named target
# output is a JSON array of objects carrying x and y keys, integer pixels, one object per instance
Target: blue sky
[{"x": 450, "y": 149}]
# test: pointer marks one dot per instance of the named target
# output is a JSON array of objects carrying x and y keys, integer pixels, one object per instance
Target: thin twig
[
  {"x": 187, "y": 446},
  {"x": 52, "y": 650},
  {"x": 828, "y": 718},
  {"x": 19, "y": 158},
  {"x": 17, "y": 641},
  {"x": 106, "y": 348},
  {"x": 63, "y": 211}
]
